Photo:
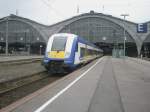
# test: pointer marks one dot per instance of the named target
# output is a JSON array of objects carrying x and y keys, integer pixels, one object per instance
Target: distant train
[{"x": 66, "y": 51}]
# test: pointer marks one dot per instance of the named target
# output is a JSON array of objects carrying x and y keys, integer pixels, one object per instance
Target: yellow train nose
[{"x": 57, "y": 54}]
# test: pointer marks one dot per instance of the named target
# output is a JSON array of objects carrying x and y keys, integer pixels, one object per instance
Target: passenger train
[{"x": 66, "y": 51}]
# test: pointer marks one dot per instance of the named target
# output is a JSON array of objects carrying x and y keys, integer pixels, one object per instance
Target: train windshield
[{"x": 59, "y": 43}]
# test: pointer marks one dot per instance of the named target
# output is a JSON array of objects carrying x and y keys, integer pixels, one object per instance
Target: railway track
[
  {"x": 13, "y": 90},
  {"x": 13, "y": 84}
]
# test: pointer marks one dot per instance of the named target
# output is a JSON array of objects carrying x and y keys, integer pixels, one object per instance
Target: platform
[
  {"x": 105, "y": 85},
  {"x": 17, "y": 58},
  {"x": 13, "y": 67}
]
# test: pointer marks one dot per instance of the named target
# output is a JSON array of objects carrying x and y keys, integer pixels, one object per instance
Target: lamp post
[
  {"x": 6, "y": 45},
  {"x": 29, "y": 41},
  {"x": 124, "y": 42},
  {"x": 41, "y": 49}
]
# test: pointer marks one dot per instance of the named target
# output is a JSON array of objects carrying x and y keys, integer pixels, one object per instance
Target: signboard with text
[{"x": 142, "y": 28}]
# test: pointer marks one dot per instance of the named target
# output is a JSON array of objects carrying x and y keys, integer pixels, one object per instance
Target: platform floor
[
  {"x": 105, "y": 85},
  {"x": 16, "y": 58},
  {"x": 14, "y": 71}
]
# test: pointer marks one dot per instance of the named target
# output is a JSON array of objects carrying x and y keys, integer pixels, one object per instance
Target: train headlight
[{"x": 67, "y": 54}]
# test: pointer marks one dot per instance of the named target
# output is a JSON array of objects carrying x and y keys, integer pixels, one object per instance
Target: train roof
[
  {"x": 65, "y": 34},
  {"x": 88, "y": 43}
]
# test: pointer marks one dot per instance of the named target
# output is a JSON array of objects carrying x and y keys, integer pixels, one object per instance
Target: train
[{"x": 65, "y": 51}]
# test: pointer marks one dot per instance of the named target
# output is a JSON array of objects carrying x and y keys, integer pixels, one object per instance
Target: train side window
[
  {"x": 76, "y": 47},
  {"x": 82, "y": 52}
]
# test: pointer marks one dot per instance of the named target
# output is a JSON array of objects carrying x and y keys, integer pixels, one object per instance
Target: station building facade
[{"x": 105, "y": 31}]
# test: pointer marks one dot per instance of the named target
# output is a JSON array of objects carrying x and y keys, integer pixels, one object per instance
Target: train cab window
[{"x": 59, "y": 43}]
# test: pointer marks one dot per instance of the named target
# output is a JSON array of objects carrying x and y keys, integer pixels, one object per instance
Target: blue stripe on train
[{"x": 70, "y": 61}]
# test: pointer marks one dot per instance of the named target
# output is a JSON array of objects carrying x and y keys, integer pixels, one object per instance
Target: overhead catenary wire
[{"x": 51, "y": 7}]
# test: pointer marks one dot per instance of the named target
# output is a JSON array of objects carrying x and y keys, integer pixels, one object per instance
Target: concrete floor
[{"x": 111, "y": 85}]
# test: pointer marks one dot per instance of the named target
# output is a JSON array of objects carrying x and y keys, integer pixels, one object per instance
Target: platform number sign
[{"x": 142, "y": 28}]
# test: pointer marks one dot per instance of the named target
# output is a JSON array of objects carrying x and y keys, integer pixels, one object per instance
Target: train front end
[{"x": 59, "y": 55}]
